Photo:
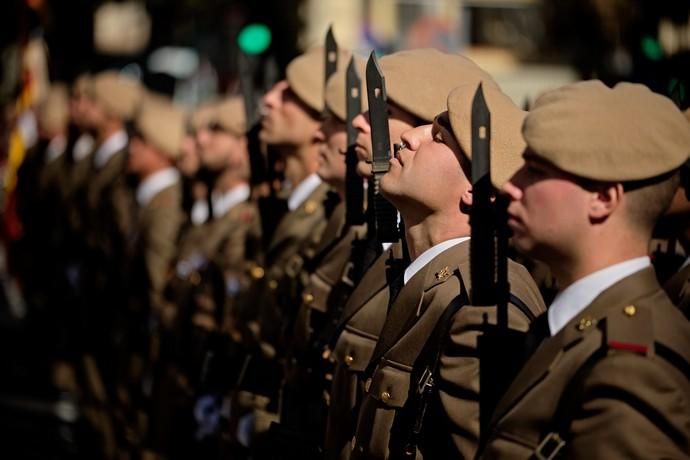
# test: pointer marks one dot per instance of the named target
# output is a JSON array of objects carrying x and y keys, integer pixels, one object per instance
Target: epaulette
[{"x": 630, "y": 329}]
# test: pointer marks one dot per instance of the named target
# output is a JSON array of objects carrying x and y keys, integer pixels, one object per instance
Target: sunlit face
[
  {"x": 427, "y": 173},
  {"x": 332, "y": 150},
  {"x": 285, "y": 119},
  {"x": 548, "y": 209},
  {"x": 142, "y": 157},
  {"x": 399, "y": 121}
]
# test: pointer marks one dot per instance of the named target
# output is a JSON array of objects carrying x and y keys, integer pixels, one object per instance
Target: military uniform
[
  {"x": 360, "y": 325},
  {"x": 612, "y": 380},
  {"x": 611, "y": 383},
  {"x": 414, "y": 315}
]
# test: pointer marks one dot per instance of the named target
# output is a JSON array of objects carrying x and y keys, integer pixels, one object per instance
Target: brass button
[
  {"x": 630, "y": 310},
  {"x": 349, "y": 360},
  {"x": 273, "y": 285},
  {"x": 385, "y": 396},
  {"x": 310, "y": 207},
  {"x": 195, "y": 278},
  {"x": 586, "y": 323},
  {"x": 308, "y": 298},
  {"x": 257, "y": 272}
]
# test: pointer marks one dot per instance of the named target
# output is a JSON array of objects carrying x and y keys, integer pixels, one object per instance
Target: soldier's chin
[{"x": 364, "y": 169}]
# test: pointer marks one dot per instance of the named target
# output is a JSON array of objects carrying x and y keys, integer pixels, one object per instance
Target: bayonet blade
[
  {"x": 354, "y": 186},
  {"x": 385, "y": 213},
  {"x": 482, "y": 243},
  {"x": 330, "y": 55}
]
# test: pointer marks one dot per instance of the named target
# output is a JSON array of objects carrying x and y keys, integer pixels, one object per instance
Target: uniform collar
[
  {"x": 155, "y": 183},
  {"x": 576, "y": 297},
  {"x": 222, "y": 202},
  {"x": 428, "y": 255},
  {"x": 56, "y": 147},
  {"x": 110, "y": 147},
  {"x": 302, "y": 191},
  {"x": 83, "y": 147}
]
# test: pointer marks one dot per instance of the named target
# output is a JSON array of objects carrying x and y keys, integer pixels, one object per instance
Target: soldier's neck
[
  {"x": 228, "y": 180},
  {"x": 108, "y": 129},
  {"x": 425, "y": 233},
  {"x": 598, "y": 255},
  {"x": 300, "y": 163}
]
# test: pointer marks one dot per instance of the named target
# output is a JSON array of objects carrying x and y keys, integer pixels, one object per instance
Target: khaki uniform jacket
[
  {"x": 158, "y": 230},
  {"x": 412, "y": 319},
  {"x": 331, "y": 256},
  {"x": 109, "y": 208},
  {"x": 223, "y": 239},
  {"x": 294, "y": 241},
  {"x": 632, "y": 401},
  {"x": 361, "y": 324},
  {"x": 678, "y": 289}
]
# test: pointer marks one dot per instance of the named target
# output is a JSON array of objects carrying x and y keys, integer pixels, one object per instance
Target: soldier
[
  {"x": 224, "y": 238},
  {"x": 428, "y": 182},
  {"x": 611, "y": 381},
  {"x": 365, "y": 312},
  {"x": 155, "y": 146}
]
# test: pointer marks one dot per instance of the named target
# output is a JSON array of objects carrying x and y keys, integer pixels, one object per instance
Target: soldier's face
[
  {"x": 399, "y": 121},
  {"x": 285, "y": 120},
  {"x": 548, "y": 210},
  {"x": 142, "y": 157},
  {"x": 427, "y": 173},
  {"x": 332, "y": 150},
  {"x": 222, "y": 151}
]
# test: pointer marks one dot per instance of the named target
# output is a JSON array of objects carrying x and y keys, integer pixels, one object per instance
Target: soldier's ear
[
  {"x": 466, "y": 200},
  {"x": 604, "y": 201}
]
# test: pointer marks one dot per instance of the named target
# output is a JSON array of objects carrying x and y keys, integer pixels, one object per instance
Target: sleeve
[
  {"x": 632, "y": 407},
  {"x": 161, "y": 249}
]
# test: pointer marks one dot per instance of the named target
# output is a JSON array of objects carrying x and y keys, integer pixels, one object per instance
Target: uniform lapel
[{"x": 546, "y": 357}]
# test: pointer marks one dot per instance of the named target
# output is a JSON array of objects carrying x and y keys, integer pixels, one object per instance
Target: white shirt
[
  {"x": 110, "y": 147},
  {"x": 83, "y": 146},
  {"x": 579, "y": 295},
  {"x": 223, "y": 202},
  {"x": 155, "y": 183},
  {"x": 302, "y": 191},
  {"x": 56, "y": 147},
  {"x": 200, "y": 212},
  {"x": 428, "y": 255}
]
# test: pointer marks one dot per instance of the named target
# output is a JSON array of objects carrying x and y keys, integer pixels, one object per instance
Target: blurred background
[{"x": 194, "y": 50}]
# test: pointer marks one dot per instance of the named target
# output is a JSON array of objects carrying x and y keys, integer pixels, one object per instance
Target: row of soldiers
[{"x": 359, "y": 303}]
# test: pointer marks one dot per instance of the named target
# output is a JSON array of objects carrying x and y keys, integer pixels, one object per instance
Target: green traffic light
[
  {"x": 651, "y": 48},
  {"x": 254, "y": 38}
]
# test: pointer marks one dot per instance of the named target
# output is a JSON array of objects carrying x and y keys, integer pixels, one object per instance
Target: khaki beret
[
  {"x": 202, "y": 116},
  {"x": 420, "y": 80},
  {"x": 507, "y": 144},
  {"x": 627, "y": 133},
  {"x": 229, "y": 114},
  {"x": 163, "y": 126},
  {"x": 306, "y": 73},
  {"x": 335, "y": 89},
  {"x": 116, "y": 94},
  {"x": 53, "y": 115}
]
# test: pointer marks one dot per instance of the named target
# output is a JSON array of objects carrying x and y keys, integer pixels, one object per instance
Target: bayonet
[
  {"x": 482, "y": 243},
  {"x": 330, "y": 56},
  {"x": 385, "y": 214},
  {"x": 354, "y": 186}
]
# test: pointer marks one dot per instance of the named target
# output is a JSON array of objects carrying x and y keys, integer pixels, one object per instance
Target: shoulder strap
[{"x": 424, "y": 376}]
